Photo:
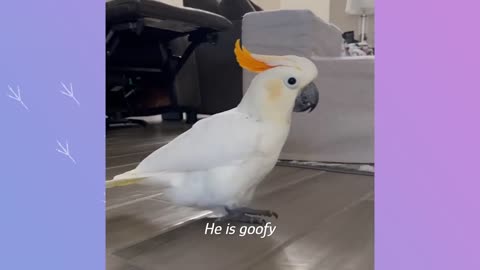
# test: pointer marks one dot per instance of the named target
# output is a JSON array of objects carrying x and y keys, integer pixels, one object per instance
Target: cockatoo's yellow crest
[{"x": 246, "y": 60}]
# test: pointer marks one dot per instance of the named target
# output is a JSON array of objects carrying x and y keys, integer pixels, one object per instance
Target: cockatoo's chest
[{"x": 270, "y": 140}]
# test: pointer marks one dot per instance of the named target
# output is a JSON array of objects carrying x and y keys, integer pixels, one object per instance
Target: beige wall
[
  {"x": 178, "y": 3},
  {"x": 320, "y": 7},
  {"x": 348, "y": 22},
  {"x": 268, "y": 4}
]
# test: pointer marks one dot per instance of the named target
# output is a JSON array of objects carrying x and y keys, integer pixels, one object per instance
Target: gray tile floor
[{"x": 326, "y": 218}]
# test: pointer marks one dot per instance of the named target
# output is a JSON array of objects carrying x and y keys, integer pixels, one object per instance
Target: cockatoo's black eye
[{"x": 291, "y": 82}]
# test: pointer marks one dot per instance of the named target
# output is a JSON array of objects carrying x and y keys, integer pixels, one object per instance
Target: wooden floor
[{"x": 326, "y": 218}]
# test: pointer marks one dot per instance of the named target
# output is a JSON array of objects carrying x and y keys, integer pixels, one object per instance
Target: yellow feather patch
[
  {"x": 246, "y": 60},
  {"x": 274, "y": 88}
]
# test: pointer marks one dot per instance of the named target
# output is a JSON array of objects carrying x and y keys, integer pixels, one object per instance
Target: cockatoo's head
[{"x": 283, "y": 83}]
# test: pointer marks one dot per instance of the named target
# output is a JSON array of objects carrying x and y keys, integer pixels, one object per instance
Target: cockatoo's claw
[
  {"x": 245, "y": 219},
  {"x": 249, "y": 215}
]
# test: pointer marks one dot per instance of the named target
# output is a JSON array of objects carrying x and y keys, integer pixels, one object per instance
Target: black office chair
[
  {"x": 221, "y": 93},
  {"x": 139, "y": 57}
]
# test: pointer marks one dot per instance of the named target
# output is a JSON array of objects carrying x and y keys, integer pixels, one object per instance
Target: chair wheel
[
  {"x": 192, "y": 117},
  {"x": 172, "y": 116}
]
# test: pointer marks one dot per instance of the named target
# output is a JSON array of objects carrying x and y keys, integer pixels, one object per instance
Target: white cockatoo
[{"x": 219, "y": 162}]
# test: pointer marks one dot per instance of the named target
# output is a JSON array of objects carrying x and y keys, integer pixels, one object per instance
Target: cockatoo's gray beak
[{"x": 307, "y": 99}]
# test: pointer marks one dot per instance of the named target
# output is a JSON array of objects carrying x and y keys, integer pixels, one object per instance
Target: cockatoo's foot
[
  {"x": 248, "y": 215},
  {"x": 254, "y": 212},
  {"x": 242, "y": 218}
]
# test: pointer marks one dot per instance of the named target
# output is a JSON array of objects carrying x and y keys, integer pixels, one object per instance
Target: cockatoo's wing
[{"x": 219, "y": 140}]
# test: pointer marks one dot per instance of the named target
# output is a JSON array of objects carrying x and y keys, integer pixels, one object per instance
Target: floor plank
[
  {"x": 127, "y": 158},
  {"x": 115, "y": 263},
  {"x": 119, "y": 196},
  {"x": 136, "y": 222},
  {"x": 135, "y": 148},
  {"x": 342, "y": 242}
]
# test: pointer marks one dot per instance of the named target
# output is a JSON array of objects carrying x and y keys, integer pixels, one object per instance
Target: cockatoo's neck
[{"x": 266, "y": 102}]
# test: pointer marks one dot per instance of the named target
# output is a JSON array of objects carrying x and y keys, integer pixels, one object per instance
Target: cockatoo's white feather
[{"x": 221, "y": 159}]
